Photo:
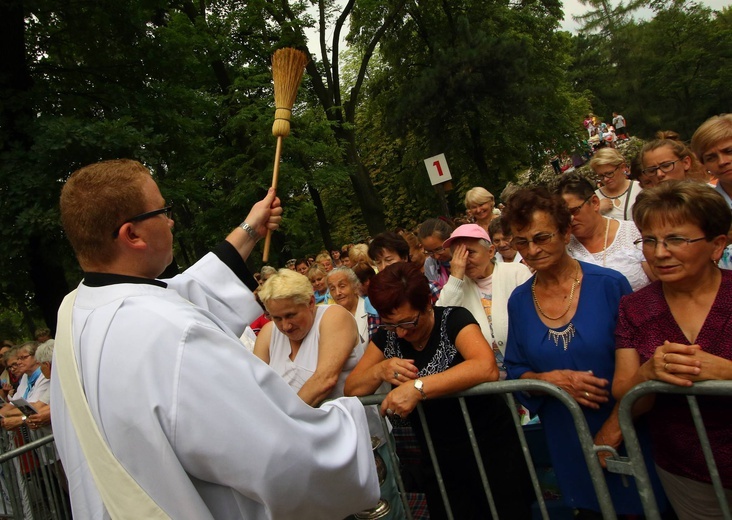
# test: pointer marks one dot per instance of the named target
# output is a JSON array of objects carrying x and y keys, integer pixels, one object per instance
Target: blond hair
[
  {"x": 713, "y": 130},
  {"x": 287, "y": 284},
  {"x": 478, "y": 196},
  {"x": 607, "y": 157}
]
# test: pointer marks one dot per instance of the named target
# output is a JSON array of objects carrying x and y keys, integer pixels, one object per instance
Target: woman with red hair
[{"x": 425, "y": 352}]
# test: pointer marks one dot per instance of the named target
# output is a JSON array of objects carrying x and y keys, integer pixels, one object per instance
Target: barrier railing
[
  {"x": 32, "y": 481},
  {"x": 507, "y": 388},
  {"x": 33, "y": 486},
  {"x": 633, "y": 464}
]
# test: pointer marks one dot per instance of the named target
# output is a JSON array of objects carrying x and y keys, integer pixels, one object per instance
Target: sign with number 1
[{"x": 437, "y": 169}]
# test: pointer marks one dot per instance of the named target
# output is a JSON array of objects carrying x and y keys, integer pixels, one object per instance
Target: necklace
[
  {"x": 604, "y": 247},
  {"x": 575, "y": 283},
  {"x": 617, "y": 197}
]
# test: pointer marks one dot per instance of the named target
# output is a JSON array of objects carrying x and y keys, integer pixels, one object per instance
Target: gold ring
[
  {"x": 587, "y": 395},
  {"x": 665, "y": 367},
  {"x": 396, "y": 375}
]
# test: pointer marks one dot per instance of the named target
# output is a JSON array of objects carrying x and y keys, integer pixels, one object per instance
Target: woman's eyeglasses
[
  {"x": 404, "y": 325},
  {"x": 665, "y": 167},
  {"x": 167, "y": 210},
  {"x": 436, "y": 252},
  {"x": 607, "y": 175},
  {"x": 575, "y": 210},
  {"x": 520, "y": 243},
  {"x": 671, "y": 244}
]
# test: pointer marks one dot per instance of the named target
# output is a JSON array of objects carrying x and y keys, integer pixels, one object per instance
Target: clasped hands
[{"x": 402, "y": 400}]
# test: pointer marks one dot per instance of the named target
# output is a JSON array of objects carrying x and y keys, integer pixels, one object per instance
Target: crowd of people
[{"x": 594, "y": 284}]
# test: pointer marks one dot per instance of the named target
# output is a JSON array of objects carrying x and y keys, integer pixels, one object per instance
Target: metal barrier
[
  {"x": 32, "y": 482},
  {"x": 633, "y": 464},
  {"x": 507, "y": 388}
]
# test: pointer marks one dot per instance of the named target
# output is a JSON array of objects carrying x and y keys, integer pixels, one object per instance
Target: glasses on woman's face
[
  {"x": 404, "y": 325},
  {"x": 665, "y": 167},
  {"x": 435, "y": 252},
  {"x": 575, "y": 210},
  {"x": 671, "y": 244},
  {"x": 607, "y": 175},
  {"x": 23, "y": 358},
  {"x": 167, "y": 210},
  {"x": 540, "y": 239}
]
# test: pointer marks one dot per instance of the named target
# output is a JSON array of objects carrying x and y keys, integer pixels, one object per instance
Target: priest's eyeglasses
[{"x": 167, "y": 210}]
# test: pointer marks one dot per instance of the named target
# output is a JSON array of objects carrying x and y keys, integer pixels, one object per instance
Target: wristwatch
[
  {"x": 419, "y": 385},
  {"x": 23, "y": 418}
]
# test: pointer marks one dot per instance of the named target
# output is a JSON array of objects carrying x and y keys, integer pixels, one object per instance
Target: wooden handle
[{"x": 275, "y": 178}]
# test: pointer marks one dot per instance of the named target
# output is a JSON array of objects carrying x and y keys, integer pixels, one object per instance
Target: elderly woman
[
  {"x": 502, "y": 242},
  {"x": 314, "y": 348},
  {"x": 560, "y": 330},
  {"x": 424, "y": 353},
  {"x": 678, "y": 330},
  {"x": 34, "y": 387},
  {"x": 601, "y": 240},
  {"x": 712, "y": 143},
  {"x": 479, "y": 203},
  {"x": 617, "y": 193},
  {"x": 668, "y": 158},
  {"x": 345, "y": 289},
  {"x": 44, "y": 357},
  {"x": 481, "y": 285}
]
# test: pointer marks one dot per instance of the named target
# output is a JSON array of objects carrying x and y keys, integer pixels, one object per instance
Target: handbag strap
[{"x": 122, "y": 495}]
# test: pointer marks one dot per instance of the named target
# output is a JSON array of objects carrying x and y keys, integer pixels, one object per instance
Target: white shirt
[
  {"x": 622, "y": 204},
  {"x": 247, "y": 447},
  {"x": 621, "y": 255}
]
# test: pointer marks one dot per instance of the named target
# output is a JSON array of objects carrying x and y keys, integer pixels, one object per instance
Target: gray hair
[
  {"x": 350, "y": 276},
  {"x": 44, "y": 353},
  {"x": 30, "y": 347}
]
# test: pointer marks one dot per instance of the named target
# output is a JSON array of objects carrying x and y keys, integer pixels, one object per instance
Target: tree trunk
[
  {"x": 49, "y": 280},
  {"x": 368, "y": 198},
  {"x": 322, "y": 220}
]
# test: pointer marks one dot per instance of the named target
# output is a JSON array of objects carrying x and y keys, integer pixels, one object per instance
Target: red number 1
[{"x": 436, "y": 164}]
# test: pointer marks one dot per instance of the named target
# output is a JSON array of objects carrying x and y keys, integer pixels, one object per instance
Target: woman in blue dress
[{"x": 561, "y": 330}]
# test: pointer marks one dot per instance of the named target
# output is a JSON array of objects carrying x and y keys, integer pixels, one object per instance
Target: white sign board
[{"x": 437, "y": 169}]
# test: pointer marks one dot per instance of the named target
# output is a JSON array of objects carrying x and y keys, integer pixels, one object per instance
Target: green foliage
[{"x": 485, "y": 84}]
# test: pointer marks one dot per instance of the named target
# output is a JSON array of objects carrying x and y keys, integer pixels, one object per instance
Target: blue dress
[{"x": 530, "y": 349}]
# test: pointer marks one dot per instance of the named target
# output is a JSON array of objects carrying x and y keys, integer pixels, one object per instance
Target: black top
[{"x": 489, "y": 414}]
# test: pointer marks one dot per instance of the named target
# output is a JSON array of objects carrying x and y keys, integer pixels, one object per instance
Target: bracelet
[{"x": 250, "y": 231}]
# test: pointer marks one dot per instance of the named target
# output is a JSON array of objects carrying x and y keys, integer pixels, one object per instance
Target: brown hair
[
  {"x": 519, "y": 212},
  {"x": 95, "y": 201},
  {"x": 680, "y": 202}
]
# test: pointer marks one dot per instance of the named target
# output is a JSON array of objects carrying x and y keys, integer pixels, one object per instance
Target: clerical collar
[{"x": 103, "y": 279}]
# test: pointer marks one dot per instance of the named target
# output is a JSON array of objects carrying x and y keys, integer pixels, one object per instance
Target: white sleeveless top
[{"x": 296, "y": 372}]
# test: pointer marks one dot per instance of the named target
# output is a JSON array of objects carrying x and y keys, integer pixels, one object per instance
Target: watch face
[{"x": 418, "y": 384}]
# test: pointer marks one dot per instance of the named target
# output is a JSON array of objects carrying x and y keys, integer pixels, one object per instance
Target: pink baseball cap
[{"x": 467, "y": 231}]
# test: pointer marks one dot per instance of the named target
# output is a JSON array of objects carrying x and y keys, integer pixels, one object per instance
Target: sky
[{"x": 574, "y": 7}]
